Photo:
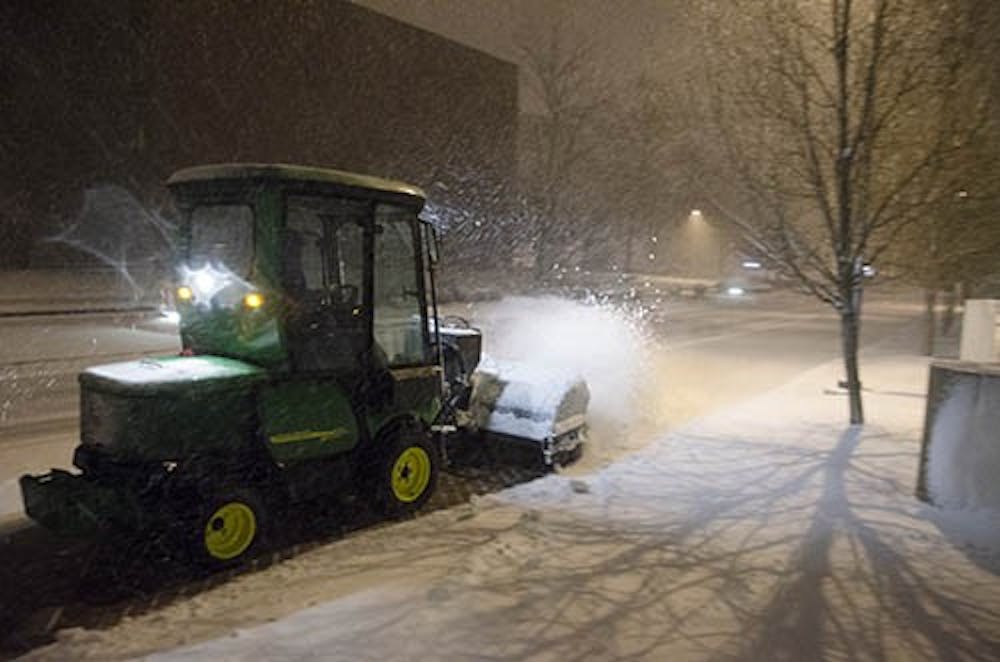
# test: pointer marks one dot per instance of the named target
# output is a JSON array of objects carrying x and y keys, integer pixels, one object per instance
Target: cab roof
[{"x": 298, "y": 173}]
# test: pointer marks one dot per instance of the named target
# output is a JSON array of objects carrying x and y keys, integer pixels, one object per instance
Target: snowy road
[
  {"x": 707, "y": 354},
  {"x": 40, "y": 357},
  {"x": 694, "y": 357},
  {"x": 758, "y": 528},
  {"x": 767, "y": 530}
]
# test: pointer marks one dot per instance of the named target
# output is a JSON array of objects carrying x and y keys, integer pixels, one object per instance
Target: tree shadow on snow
[
  {"x": 709, "y": 548},
  {"x": 719, "y": 550},
  {"x": 883, "y": 591}
]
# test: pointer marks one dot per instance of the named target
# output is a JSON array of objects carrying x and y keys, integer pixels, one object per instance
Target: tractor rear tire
[{"x": 406, "y": 474}]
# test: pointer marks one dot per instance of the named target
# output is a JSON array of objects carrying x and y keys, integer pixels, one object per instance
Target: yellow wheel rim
[
  {"x": 411, "y": 474},
  {"x": 230, "y": 530}
]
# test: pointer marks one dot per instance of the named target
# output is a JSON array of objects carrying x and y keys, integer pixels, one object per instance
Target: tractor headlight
[
  {"x": 253, "y": 300},
  {"x": 204, "y": 283}
]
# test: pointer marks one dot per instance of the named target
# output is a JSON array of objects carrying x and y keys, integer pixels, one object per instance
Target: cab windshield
[{"x": 222, "y": 237}]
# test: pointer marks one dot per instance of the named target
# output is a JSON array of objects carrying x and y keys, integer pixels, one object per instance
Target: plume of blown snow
[{"x": 604, "y": 345}]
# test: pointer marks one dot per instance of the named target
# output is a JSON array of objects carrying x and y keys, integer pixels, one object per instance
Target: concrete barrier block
[
  {"x": 980, "y": 331},
  {"x": 960, "y": 458}
]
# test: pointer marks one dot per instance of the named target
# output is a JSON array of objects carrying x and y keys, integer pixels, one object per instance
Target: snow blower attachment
[
  {"x": 523, "y": 413},
  {"x": 542, "y": 413}
]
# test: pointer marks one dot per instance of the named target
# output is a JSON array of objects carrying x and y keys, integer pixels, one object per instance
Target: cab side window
[
  {"x": 303, "y": 252},
  {"x": 400, "y": 326}
]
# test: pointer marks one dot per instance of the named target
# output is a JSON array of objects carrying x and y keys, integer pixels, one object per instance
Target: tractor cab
[{"x": 302, "y": 270}]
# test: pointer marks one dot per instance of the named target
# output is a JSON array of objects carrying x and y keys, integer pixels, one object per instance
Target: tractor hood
[{"x": 173, "y": 375}]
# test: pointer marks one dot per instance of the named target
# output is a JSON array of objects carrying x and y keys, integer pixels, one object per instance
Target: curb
[{"x": 77, "y": 311}]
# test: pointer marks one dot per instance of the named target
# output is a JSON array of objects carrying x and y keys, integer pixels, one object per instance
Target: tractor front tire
[
  {"x": 228, "y": 527},
  {"x": 406, "y": 474}
]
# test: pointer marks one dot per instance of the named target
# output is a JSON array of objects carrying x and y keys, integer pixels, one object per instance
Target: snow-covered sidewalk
[{"x": 772, "y": 531}]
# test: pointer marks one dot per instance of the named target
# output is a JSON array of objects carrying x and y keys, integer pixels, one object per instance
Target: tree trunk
[
  {"x": 849, "y": 334},
  {"x": 930, "y": 320},
  {"x": 544, "y": 239}
]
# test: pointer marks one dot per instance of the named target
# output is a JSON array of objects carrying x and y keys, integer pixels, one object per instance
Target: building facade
[{"x": 123, "y": 92}]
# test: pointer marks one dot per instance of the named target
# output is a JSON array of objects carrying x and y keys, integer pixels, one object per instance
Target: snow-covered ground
[{"x": 769, "y": 531}]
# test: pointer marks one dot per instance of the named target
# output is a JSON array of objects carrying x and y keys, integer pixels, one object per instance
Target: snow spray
[
  {"x": 116, "y": 229},
  {"x": 604, "y": 345}
]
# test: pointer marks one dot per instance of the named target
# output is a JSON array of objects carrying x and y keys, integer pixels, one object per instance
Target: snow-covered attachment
[
  {"x": 531, "y": 405},
  {"x": 526, "y": 411}
]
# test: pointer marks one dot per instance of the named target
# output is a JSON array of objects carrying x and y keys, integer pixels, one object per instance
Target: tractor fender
[{"x": 395, "y": 424}]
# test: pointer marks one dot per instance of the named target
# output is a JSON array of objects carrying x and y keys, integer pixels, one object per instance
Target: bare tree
[
  {"x": 558, "y": 134},
  {"x": 827, "y": 150},
  {"x": 955, "y": 243}
]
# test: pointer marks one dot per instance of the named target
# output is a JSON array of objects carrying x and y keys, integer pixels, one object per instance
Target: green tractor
[{"x": 312, "y": 360}]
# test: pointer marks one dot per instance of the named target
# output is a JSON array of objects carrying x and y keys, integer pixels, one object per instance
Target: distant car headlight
[{"x": 735, "y": 291}]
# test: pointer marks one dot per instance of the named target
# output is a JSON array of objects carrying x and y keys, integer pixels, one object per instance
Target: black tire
[
  {"x": 405, "y": 473},
  {"x": 227, "y": 527}
]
